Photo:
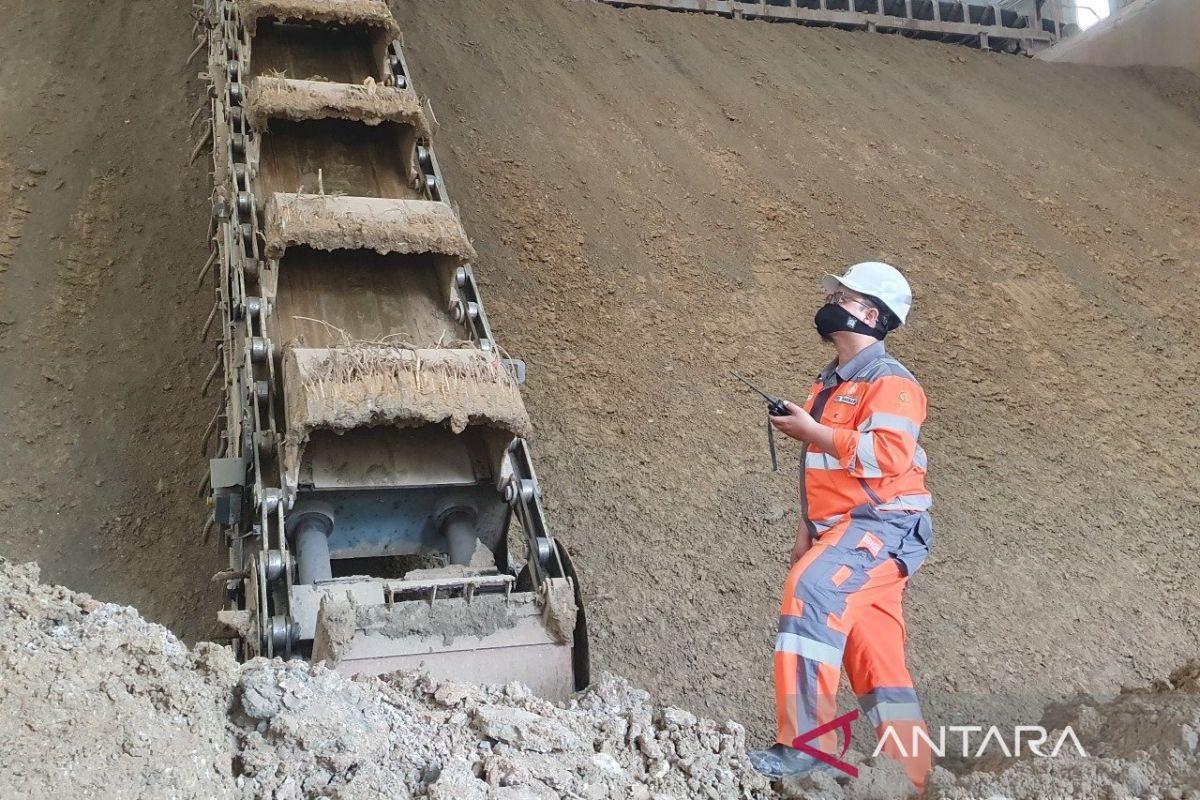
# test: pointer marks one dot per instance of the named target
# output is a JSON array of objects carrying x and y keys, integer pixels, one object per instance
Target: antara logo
[
  {"x": 1032, "y": 736},
  {"x": 842, "y": 724}
]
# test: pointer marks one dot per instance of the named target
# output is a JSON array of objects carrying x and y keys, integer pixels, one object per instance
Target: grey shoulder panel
[{"x": 883, "y": 368}]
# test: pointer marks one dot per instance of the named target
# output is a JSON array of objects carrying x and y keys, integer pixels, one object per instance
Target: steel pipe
[
  {"x": 458, "y": 525},
  {"x": 312, "y": 549}
]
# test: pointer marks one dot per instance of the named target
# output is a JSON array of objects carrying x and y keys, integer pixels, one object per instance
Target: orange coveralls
[{"x": 867, "y": 510}]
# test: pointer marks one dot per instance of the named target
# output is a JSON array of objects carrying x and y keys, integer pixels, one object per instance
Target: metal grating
[{"x": 988, "y": 24}]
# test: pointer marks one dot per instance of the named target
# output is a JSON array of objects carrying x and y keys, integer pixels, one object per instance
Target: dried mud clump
[
  {"x": 298, "y": 100},
  {"x": 372, "y": 14},
  {"x": 326, "y": 222}
]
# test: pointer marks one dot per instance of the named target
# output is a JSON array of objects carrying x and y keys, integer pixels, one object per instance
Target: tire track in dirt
[
  {"x": 13, "y": 226},
  {"x": 88, "y": 266}
]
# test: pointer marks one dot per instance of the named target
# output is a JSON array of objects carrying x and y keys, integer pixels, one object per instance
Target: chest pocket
[{"x": 841, "y": 410}]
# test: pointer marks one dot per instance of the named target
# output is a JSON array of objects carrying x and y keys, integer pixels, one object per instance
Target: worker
[{"x": 864, "y": 530}]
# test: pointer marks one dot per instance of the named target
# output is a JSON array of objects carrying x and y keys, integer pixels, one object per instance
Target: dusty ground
[
  {"x": 654, "y": 197},
  {"x": 111, "y": 706},
  {"x": 102, "y": 227}
]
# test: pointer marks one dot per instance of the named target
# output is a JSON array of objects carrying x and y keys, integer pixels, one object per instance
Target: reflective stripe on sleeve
[
  {"x": 890, "y": 422},
  {"x": 823, "y": 525},
  {"x": 908, "y": 502},
  {"x": 920, "y": 459},
  {"x": 868, "y": 465},
  {"x": 821, "y": 460}
]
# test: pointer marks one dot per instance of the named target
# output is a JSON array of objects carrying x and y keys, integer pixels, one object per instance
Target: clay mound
[
  {"x": 329, "y": 223},
  {"x": 366, "y": 13},
  {"x": 296, "y": 100},
  {"x": 406, "y": 736},
  {"x": 364, "y": 386},
  {"x": 113, "y": 706},
  {"x": 110, "y": 705}
]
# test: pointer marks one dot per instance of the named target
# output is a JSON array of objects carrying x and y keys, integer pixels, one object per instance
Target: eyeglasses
[{"x": 837, "y": 298}]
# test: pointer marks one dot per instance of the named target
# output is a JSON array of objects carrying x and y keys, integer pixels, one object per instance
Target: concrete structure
[
  {"x": 1156, "y": 33},
  {"x": 1010, "y": 25}
]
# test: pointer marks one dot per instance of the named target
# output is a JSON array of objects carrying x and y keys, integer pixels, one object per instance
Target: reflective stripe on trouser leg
[
  {"x": 805, "y": 697},
  {"x": 891, "y": 703},
  {"x": 809, "y": 645},
  {"x": 875, "y": 664}
]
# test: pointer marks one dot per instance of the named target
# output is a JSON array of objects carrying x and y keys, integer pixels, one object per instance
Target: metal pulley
[
  {"x": 524, "y": 490},
  {"x": 269, "y": 500},
  {"x": 396, "y": 66},
  {"x": 253, "y": 307},
  {"x": 544, "y": 551},
  {"x": 425, "y": 159},
  {"x": 463, "y": 311},
  {"x": 260, "y": 349},
  {"x": 273, "y": 564},
  {"x": 278, "y": 636}
]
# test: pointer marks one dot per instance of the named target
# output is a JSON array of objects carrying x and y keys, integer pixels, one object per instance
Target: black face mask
[{"x": 832, "y": 318}]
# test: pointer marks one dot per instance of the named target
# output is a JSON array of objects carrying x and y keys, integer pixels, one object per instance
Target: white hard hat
[{"x": 878, "y": 280}]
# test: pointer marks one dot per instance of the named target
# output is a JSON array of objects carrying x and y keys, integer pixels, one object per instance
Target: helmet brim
[{"x": 831, "y": 283}]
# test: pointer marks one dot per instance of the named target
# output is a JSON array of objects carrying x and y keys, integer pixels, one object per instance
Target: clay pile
[
  {"x": 110, "y": 705},
  {"x": 97, "y": 702}
]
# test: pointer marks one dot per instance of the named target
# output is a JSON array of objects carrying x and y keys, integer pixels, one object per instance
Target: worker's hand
[
  {"x": 798, "y": 424},
  {"x": 803, "y": 543}
]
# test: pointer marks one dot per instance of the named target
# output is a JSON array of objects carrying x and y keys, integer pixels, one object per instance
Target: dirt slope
[
  {"x": 655, "y": 196},
  {"x": 101, "y": 236}
]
